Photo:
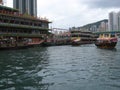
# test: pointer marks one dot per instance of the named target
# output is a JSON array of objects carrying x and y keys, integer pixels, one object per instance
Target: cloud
[
  {"x": 69, "y": 13},
  {"x": 62, "y": 12},
  {"x": 102, "y": 3}
]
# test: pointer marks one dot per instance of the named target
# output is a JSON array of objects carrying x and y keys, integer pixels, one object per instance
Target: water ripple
[{"x": 60, "y": 68}]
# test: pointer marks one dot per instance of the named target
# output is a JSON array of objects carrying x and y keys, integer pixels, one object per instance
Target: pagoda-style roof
[
  {"x": 22, "y": 26},
  {"x": 27, "y": 17},
  {"x": 8, "y": 8}
]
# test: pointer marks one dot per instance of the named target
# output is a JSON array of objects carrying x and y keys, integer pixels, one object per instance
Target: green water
[{"x": 60, "y": 68}]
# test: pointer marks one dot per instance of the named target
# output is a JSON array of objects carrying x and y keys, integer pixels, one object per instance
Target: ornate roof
[{"x": 8, "y": 8}]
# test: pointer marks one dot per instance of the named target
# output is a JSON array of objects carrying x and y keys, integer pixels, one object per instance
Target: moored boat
[
  {"x": 82, "y": 37},
  {"x": 107, "y": 41}
]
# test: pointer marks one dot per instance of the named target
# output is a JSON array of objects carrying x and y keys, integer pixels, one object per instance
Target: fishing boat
[
  {"x": 57, "y": 39},
  {"x": 107, "y": 41},
  {"x": 82, "y": 37}
]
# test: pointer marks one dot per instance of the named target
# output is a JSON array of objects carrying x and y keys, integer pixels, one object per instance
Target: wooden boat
[
  {"x": 107, "y": 41},
  {"x": 48, "y": 42}
]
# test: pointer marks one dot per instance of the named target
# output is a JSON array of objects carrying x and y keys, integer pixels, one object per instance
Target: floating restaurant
[
  {"x": 21, "y": 30},
  {"x": 79, "y": 37}
]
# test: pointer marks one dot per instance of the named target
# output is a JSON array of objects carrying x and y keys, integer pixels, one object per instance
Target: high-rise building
[
  {"x": 26, "y": 6},
  {"x": 1, "y": 1},
  {"x": 119, "y": 20},
  {"x": 114, "y": 21},
  {"x": 103, "y": 26}
]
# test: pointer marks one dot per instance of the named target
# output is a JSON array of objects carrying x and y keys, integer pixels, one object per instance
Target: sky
[{"x": 74, "y": 13}]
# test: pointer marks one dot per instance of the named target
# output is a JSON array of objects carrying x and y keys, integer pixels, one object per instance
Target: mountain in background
[{"x": 96, "y": 26}]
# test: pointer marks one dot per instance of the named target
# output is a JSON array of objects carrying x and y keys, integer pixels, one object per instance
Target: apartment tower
[
  {"x": 114, "y": 21},
  {"x": 26, "y": 6}
]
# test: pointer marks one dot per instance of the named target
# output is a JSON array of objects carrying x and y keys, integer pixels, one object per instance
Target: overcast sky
[{"x": 69, "y": 13}]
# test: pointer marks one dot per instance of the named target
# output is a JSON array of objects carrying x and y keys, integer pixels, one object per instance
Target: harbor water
[{"x": 84, "y": 67}]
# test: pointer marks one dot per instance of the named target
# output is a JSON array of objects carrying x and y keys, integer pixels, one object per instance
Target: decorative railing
[
  {"x": 25, "y": 16},
  {"x": 22, "y": 26},
  {"x": 22, "y": 35}
]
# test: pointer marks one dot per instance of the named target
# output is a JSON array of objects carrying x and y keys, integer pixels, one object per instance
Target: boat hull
[
  {"x": 14, "y": 48},
  {"x": 48, "y": 44},
  {"x": 106, "y": 45},
  {"x": 81, "y": 43}
]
